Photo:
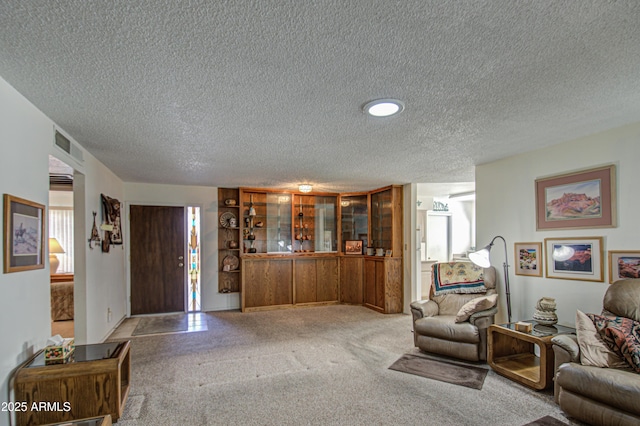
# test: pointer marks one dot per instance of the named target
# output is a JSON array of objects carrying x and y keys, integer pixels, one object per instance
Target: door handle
[
  {"x": 180, "y": 257},
  {"x": 181, "y": 264}
]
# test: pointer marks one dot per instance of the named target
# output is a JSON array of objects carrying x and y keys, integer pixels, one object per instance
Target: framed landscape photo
[
  {"x": 624, "y": 265},
  {"x": 584, "y": 199},
  {"x": 353, "y": 247},
  {"x": 528, "y": 259},
  {"x": 23, "y": 234},
  {"x": 575, "y": 258}
]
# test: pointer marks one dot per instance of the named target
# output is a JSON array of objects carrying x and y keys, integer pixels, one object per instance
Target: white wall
[
  {"x": 207, "y": 199},
  {"x": 26, "y": 140},
  {"x": 505, "y": 202}
]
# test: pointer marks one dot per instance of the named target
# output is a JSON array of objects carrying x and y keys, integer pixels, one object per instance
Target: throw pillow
[
  {"x": 621, "y": 335},
  {"x": 593, "y": 350},
  {"x": 476, "y": 305},
  {"x": 457, "y": 277}
]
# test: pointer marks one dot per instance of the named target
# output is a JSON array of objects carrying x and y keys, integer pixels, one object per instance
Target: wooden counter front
[{"x": 286, "y": 280}]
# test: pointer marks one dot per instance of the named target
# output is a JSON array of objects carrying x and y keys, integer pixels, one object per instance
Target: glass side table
[
  {"x": 512, "y": 353},
  {"x": 68, "y": 389}
]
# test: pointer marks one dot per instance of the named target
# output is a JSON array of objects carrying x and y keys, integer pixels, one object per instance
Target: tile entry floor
[{"x": 197, "y": 322}]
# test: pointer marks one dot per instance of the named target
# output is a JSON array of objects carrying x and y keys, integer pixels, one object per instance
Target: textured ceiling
[{"x": 269, "y": 93}]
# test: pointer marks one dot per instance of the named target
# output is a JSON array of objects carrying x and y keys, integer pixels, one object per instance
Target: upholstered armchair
[
  {"x": 454, "y": 321},
  {"x": 593, "y": 382}
]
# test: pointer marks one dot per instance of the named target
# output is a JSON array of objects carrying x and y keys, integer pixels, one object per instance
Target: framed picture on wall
[
  {"x": 575, "y": 258},
  {"x": 624, "y": 265},
  {"x": 583, "y": 199},
  {"x": 23, "y": 234},
  {"x": 528, "y": 259}
]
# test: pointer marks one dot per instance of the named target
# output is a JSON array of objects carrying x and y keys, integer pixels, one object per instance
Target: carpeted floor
[{"x": 314, "y": 366}]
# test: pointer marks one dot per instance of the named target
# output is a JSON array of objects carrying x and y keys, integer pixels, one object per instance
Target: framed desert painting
[
  {"x": 528, "y": 259},
  {"x": 584, "y": 199},
  {"x": 624, "y": 265},
  {"x": 575, "y": 258},
  {"x": 23, "y": 234}
]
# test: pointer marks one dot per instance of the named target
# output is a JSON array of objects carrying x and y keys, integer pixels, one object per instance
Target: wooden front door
[{"x": 157, "y": 259}]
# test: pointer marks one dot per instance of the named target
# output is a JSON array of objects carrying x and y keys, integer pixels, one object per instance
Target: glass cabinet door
[
  {"x": 381, "y": 219},
  {"x": 314, "y": 223},
  {"x": 355, "y": 222},
  {"x": 325, "y": 224},
  {"x": 278, "y": 223}
]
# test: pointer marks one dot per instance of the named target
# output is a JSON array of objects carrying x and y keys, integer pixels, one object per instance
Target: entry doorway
[{"x": 157, "y": 261}]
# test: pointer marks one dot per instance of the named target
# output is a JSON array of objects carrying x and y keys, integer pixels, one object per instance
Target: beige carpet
[{"x": 310, "y": 366}]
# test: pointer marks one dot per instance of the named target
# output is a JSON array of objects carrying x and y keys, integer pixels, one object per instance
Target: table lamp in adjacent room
[
  {"x": 481, "y": 258},
  {"x": 54, "y": 248}
]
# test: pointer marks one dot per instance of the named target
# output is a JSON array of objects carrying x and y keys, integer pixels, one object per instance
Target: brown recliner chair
[
  {"x": 435, "y": 329},
  {"x": 595, "y": 395}
]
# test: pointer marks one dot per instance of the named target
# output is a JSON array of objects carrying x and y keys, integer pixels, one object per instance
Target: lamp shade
[
  {"x": 481, "y": 257},
  {"x": 54, "y": 246}
]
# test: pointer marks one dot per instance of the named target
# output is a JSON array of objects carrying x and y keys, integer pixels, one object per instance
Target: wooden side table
[
  {"x": 512, "y": 353},
  {"x": 93, "y": 382}
]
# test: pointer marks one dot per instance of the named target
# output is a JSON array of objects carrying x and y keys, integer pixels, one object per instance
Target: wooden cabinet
[
  {"x": 94, "y": 382},
  {"x": 351, "y": 279},
  {"x": 266, "y": 282},
  {"x": 228, "y": 240},
  {"x": 294, "y": 241},
  {"x": 316, "y": 280},
  {"x": 383, "y": 284},
  {"x": 271, "y": 280}
]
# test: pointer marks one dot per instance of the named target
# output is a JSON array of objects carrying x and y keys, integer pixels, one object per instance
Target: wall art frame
[
  {"x": 575, "y": 258},
  {"x": 623, "y": 265},
  {"x": 23, "y": 234},
  {"x": 353, "y": 247},
  {"x": 529, "y": 260},
  {"x": 581, "y": 199}
]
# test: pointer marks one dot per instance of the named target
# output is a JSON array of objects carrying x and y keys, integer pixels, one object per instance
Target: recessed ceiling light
[
  {"x": 305, "y": 187},
  {"x": 383, "y": 107}
]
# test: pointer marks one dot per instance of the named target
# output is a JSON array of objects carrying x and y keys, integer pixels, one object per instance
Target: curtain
[{"x": 61, "y": 228}]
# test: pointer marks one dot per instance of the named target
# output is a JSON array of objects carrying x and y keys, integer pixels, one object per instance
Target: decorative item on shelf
[
  {"x": 251, "y": 236},
  {"x": 226, "y": 219},
  {"x": 379, "y": 251},
  {"x": 545, "y": 312},
  {"x": 230, "y": 261},
  {"x": 252, "y": 210},
  {"x": 54, "y": 248},
  {"x": 233, "y": 222},
  {"x": 370, "y": 251},
  {"x": 389, "y": 253},
  {"x": 230, "y": 202},
  {"x": 233, "y": 244},
  {"x": 481, "y": 258},
  {"x": 259, "y": 224}
]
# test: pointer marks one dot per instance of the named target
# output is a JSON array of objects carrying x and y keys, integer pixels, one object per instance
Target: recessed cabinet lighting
[{"x": 383, "y": 107}]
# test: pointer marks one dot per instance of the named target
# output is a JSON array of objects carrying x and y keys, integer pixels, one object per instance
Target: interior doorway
[
  {"x": 157, "y": 264},
  {"x": 61, "y": 224}
]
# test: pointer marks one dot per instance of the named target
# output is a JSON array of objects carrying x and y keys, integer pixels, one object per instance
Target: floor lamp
[{"x": 481, "y": 258}]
